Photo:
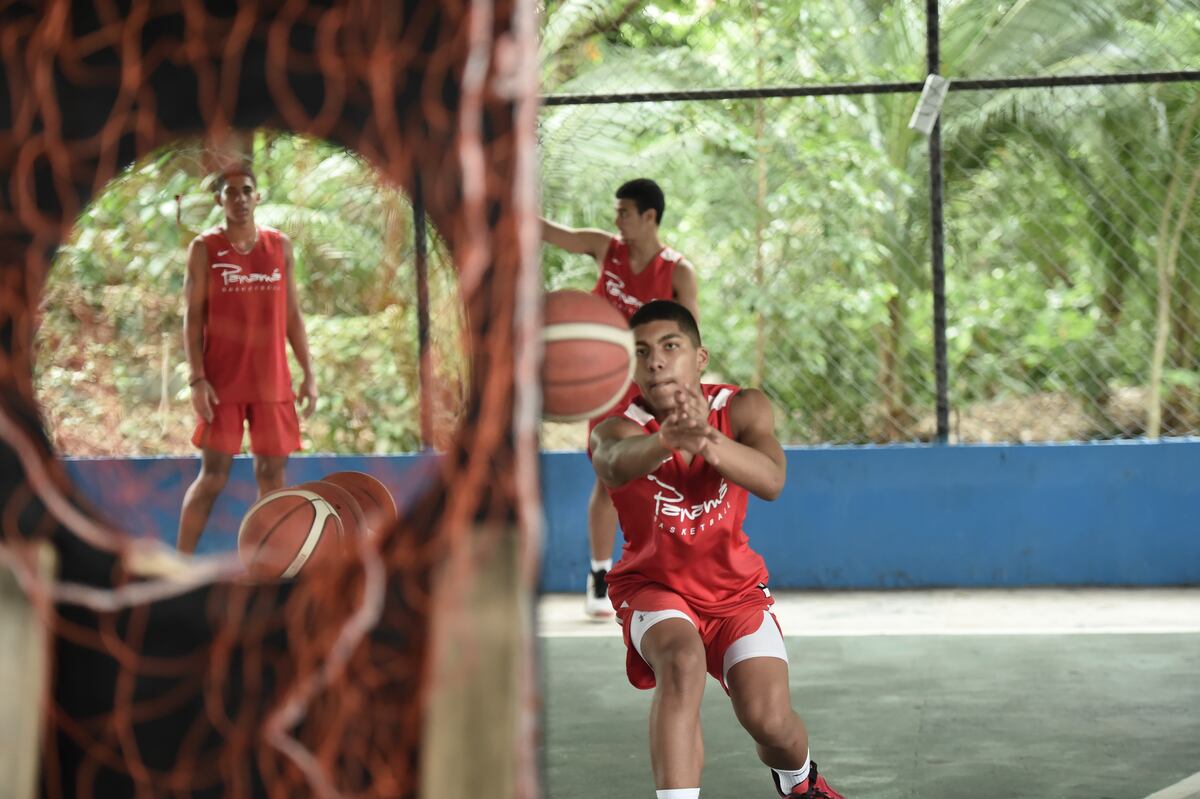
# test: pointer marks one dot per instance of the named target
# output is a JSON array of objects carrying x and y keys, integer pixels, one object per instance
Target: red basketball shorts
[
  {"x": 274, "y": 428},
  {"x": 751, "y": 632}
]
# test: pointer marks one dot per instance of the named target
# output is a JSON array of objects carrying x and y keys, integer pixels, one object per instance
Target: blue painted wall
[
  {"x": 1111, "y": 513},
  {"x": 143, "y": 495}
]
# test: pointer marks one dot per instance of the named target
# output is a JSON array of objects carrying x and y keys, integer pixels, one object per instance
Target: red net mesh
[{"x": 191, "y": 681}]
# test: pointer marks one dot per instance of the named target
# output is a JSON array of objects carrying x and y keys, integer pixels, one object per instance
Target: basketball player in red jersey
[
  {"x": 680, "y": 462},
  {"x": 635, "y": 268},
  {"x": 241, "y": 309}
]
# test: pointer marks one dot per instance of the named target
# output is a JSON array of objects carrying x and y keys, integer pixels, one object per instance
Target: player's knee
[
  {"x": 599, "y": 494},
  {"x": 681, "y": 667},
  {"x": 268, "y": 473},
  {"x": 211, "y": 481},
  {"x": 769, "y": 723}
]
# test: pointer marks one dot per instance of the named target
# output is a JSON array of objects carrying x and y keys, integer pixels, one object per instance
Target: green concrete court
[{"x": 1076, "y": 715}]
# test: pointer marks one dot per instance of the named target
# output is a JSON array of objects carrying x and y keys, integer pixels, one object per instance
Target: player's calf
[
  {"x": 269, "y": 473},
  {"x": 779, "y": 733}
]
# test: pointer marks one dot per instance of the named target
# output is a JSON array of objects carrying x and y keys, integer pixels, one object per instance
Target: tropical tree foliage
[{"x": 1054, "y": 199}]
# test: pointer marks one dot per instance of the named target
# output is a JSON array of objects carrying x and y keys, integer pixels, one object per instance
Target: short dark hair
[
  {"x": 646, "y": 194},
  {"x": 668, "y": 311},
  {"x": 244, "y": 168}
]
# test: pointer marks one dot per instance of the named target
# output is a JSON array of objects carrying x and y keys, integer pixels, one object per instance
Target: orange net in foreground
[{"x": 171, "y": 679}]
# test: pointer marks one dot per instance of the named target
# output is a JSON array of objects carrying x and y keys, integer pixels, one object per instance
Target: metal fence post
[
  {"x": 424, "y": 366},
  {"x": 937, "y": 236}
]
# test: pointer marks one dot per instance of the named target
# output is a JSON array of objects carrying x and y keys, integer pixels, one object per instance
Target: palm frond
[{"x": 1021, "y": 36}]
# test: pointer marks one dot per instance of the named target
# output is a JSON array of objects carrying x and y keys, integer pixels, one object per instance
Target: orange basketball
[
  {"x": 286, "y": 531},
  {"x": 378, "y": 505},
  {"x": 588, "y": 362},
  {"x": 354, "y": 521}
]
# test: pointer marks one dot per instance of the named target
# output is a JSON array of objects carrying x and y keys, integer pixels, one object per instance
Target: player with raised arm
[
  {"x": 635, "y": 268},
  {"x": 680, "y": 463}
]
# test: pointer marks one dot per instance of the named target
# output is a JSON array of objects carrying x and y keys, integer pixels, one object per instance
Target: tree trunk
[
  {"x": 397, "y": 224},
  {"x": 1114, "y": 223},
  {"x": 1168, "y": 243},
  {"x": 1183, "y": 404},
  {"x": 1186, "y": 326},
  {"x": 1166, "y": 279},
  {"x": 891, "y": 375}
]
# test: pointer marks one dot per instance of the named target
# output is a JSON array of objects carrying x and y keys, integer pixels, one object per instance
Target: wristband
[{"x": 197, "y": 380}]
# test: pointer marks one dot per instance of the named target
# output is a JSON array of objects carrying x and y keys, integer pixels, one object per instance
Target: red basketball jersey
[
  {"x": 627, "y": 291},
  {"x": 683, "y": 527},
  {"x": 245, "y": 329}
]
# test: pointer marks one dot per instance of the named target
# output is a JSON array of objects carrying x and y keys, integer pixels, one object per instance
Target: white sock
[
  {"x": 790, "y": 779},
  {"x": 606, "y": 565},
  {"x": 678, "y": 793}
]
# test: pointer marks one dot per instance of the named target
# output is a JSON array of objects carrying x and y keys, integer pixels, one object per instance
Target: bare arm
[
  {"x": 296, "y": 334},
  {"x": 753, "y": 458},
  {"x": 581, "y": 241},
  {"x": 195, "y": 291},
  {"x": 684, "y": 289},
  {"x": 622, "y": 451}
]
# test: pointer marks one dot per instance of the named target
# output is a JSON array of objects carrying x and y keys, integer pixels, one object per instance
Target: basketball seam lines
[
  {"x": 322, "y": 510},
  {"x": 592, "y": 331},
  {"x": 287, "y": 492},
  {"x": 280, "y": 522},
  {"x": 589, "y": 331},
  {"x": 321, "y": 514}
]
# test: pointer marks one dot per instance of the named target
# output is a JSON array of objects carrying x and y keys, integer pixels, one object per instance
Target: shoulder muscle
[{"x": 751, "y": 412}]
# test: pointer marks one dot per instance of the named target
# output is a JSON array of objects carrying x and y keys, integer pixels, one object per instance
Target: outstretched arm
[
  {"x": 622, "y": 451},
  {"x": 296, "y": 334},
  {"x": 581, "y": 241}
]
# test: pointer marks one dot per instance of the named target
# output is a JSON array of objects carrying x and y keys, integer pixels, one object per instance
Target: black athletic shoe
[{"x": 596, "y": 602}]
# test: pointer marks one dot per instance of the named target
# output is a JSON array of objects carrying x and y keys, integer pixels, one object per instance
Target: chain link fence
[
  {"x": 794, "y": 296},
  {"x": 1068, "y": 145},
  {"x": 1082, "y": 304}
]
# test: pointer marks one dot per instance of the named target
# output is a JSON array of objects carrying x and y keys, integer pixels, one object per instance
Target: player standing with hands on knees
[
  {"x": 242, "y": 310},
  {"x": 680, "y": 463},
  {"x": 635, "y": 268}
]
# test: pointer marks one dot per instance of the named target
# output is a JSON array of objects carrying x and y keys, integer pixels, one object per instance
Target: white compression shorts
[{"x": 765, "y": 642}]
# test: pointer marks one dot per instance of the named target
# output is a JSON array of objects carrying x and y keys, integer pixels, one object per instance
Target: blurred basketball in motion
[
  {"x": 588, "y": 362},
  {"x": 286, "y": 531},
  {"x": 377, "y": 504},
  {"x": 354, "y": 521}
]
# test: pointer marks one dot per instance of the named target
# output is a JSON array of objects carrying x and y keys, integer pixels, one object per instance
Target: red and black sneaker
[{"x": 815, "y": 787}]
